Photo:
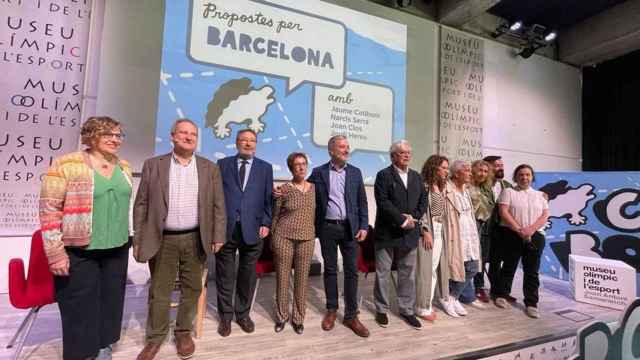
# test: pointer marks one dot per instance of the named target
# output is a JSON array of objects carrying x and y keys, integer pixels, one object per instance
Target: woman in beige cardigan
[{"x": 462, "y": 239}]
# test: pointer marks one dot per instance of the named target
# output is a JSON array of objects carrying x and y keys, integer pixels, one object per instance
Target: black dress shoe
[
  {"x": 246, "y": 324},
  {"x": 509, "y": 298},
  {"x": 412, "y": 321},
  {"x": 299, "y": 329},
  {"x": 382, "y": 319},
  {"x": 279, "y": 326}
]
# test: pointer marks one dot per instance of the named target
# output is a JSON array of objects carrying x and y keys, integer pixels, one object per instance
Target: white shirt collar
[{"x": 400, "y": 171}]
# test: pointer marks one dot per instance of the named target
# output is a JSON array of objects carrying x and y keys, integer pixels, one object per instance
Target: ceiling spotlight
[
  {"x": 550, "y": 36},
  {"x": 527, "y": 52},
  {"x": 403, "y": 3},
  {"x": 515, "y": 26}
]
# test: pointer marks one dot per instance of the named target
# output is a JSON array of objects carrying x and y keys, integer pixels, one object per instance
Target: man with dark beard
[{"x": 495, "y": 255}]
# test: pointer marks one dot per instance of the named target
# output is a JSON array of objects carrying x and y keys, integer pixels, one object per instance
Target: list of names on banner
[
  {"x": 461, "y": 85},
  {"x": 43, "y": 46}
]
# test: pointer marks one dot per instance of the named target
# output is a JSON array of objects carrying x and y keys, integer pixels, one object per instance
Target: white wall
[
  {"x": 12, "y": 247},
  {"x": 130, "y": 56},
  {"x": 532, "y": 111}
]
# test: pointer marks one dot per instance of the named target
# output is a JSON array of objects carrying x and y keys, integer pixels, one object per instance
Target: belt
[
  {"x": 180, "y": 232},
  {"x": 336, "y": 222}
]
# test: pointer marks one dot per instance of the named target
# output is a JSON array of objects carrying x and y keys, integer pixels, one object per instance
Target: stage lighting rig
[{"x": 530, "y": 36}]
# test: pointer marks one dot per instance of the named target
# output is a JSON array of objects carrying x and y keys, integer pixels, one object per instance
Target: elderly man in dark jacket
[{"x": 401, "y": 200}]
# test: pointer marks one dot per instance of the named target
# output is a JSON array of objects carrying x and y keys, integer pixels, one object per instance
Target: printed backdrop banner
[
  {"x": 43, "y": 49},
  {"x": 461, "y": 84},
  {"x": 296, "y": 72},
  {"x": 591, "y": 214}
]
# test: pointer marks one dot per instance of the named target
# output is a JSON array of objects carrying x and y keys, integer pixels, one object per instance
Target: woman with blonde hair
[
  {"x": 84, "y": 216},
  {"x": 483, "y": 204}
]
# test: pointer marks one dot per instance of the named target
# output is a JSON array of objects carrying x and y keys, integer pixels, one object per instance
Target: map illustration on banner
[
  {"x": 593, "y": 214},
  {"x": 287, "y": 71}
]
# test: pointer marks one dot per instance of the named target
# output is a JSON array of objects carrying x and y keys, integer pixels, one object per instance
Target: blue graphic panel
[
  {"x": 592, "y": 214},
  {"x": 189, "y": 89}
]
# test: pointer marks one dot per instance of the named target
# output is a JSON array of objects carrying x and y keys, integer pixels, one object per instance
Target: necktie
[{"x": 242, "y": 173}]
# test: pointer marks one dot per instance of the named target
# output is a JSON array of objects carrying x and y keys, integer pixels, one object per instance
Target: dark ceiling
[{"x": 553, "y": 14}]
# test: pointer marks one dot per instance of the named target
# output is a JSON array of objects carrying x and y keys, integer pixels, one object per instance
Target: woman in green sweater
[{"x": 84, "y": 215}]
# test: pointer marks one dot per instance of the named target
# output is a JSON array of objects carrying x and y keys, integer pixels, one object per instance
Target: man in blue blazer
[
  {"x": 247, "y": 183},
  {"x": 342, "y": 219}
]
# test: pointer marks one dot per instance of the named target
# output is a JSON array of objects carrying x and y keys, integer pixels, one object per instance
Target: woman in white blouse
[
  {"x": 462, "y": 241},
  {"x": 523, "y": 213}
]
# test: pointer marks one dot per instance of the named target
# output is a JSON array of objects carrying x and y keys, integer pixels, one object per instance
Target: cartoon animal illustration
[
  {"x": 611, "y": 213},
  {"x": 568, "y": 202},
  {"x": 236, "y": 101}
]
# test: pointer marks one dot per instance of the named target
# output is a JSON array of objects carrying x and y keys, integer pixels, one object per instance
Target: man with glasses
[
  {"x": 179, "y": 218},
  {"x": 248, "y": 183}
]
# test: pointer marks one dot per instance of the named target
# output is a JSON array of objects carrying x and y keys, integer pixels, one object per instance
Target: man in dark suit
[
  {"x": 248, "y": 183},
  {"x": 342, "y": 219},
  {"x": 401, "y": 200},
  {"x": 179, "y": 218}
]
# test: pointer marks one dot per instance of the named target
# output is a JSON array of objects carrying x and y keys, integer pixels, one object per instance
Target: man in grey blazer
[{"x": 179, "y": 218}]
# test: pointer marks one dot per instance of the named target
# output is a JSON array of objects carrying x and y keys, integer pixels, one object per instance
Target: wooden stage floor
[{"x": 448, "y": 337}]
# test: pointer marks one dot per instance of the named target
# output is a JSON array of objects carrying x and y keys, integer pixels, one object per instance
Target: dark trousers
[
  {"x": 496, "y": 250},
  {"x": 515, "y": 249},
  {"x": 336, "y": 236},
  {"x": 246, "y": 278},
  {"x": 91, "y": 300},
  {"x": 485, "y": 245},
  {"x": 181, "y": 254}
]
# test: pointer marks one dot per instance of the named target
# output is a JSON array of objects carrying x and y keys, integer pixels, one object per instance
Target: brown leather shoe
[
  {"x": 184, "y": 344},
  {"x": 246, "y": 324},
  {"x": 149, "y": 352},
  {"x": 224, "y": 327},
  {"x": 329, "y": 320},
  {"x": 357, "y": 327}
]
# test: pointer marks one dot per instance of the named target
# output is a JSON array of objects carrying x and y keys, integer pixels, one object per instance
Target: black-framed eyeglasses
[{"x": 117, "y": 136}]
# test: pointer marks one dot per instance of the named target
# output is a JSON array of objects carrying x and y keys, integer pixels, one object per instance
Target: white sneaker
[
  {"x": 502, "y": 303},
  {"x": 478, "y": 304},
  {"x": 532, "y": 312},
  {"x": 447, "y": 307},
  {"x": 460, "y": 310},
  {"x": 105, "y": 353}
]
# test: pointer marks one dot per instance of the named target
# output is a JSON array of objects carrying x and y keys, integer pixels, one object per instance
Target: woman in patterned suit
[{"x": 293, "y": 241}]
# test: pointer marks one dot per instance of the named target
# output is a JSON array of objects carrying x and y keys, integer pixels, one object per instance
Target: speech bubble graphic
[
  {"x": 363, "y": 112},
  {"x": 261, "y": 37}
]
